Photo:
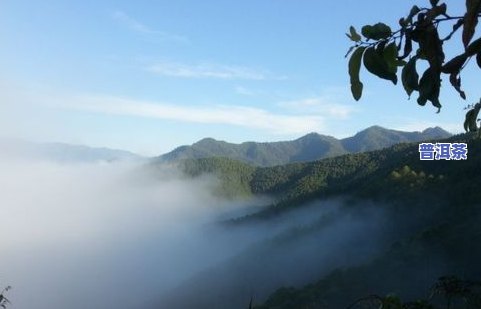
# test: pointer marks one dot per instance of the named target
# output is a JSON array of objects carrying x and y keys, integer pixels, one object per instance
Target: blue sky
[{"x": 148, "y": 76}]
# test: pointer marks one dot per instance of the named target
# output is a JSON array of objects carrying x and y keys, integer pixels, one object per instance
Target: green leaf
[
  {"x": 422, "y": 101},
  {"x": 380, "y": 46},
  {"x": 390, "y": 54},
  {"x": 454, "y": 65},
  {"x": 381, "y": 31},
  {"x": 429, "y": 87},
  {"x": 354, "y": 68},
  {"x": 471, "y": 118},
  {"x": 366, "y": 31},
  {"x": 455, "y": 81},
  {"x": 430, "y": 46},
  {"x": 378, "y": 31},
  {"x": 474, "y": 47},
  {"x": 377, "y": 65},
  {"x": 410, "y": 76},
  {"x": 470, "y": 20},
  {"x": 437, "y": 11},
  {"x": 353, "y": 35},
  {"x": 414, "y": 10}
]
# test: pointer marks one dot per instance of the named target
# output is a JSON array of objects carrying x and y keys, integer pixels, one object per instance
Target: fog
[
  {"x": 298, "y": 248},
  {"x": 121, "y": 235},
  {"x": 102, "y": 234}
]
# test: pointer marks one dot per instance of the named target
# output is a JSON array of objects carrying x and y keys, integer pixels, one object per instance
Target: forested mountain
[
  {"x": 430, "y": 228},
  {"x": 364, "y": 173},
  {"x": 376, "y": 137},
  {"x": 310, "y": 147}
]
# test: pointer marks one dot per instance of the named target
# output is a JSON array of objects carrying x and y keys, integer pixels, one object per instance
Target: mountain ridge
[
  {"x": 431, "y": 207},
  {"x": 310, "y": 147},
  {"x": 63, "y": 152}
]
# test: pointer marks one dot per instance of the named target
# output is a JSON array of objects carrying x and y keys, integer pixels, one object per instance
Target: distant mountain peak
[
  {"x": 375, "y": 127},
  {"x": 372, "y": 129},
  {"x": 435, "y": 130},
  {"x": 206, "y": 140},
  {"x": 311, "y": 134},
  {"x": 310, "y": 147},
  {"x": 63, "y": 152}
]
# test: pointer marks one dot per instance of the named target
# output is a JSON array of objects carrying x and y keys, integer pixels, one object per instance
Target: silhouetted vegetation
[
  {"x": 383, "y": 50},
  {"x": 449, "y": 292}
]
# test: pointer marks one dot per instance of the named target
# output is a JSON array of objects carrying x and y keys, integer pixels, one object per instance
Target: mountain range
[
  {"x": 310, "y": 147},
  {"x": 61, "y": 152},
  {"x": 429, "y": 214}
]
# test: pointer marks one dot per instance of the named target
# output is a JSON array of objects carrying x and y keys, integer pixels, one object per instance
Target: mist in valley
[{"x": 130, "y": 235}]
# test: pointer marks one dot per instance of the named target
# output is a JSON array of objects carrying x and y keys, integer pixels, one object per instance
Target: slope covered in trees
[
  {"x": 432, "y": 210},
  {"x": 391, "y": 171},
  {"x": 441, "y": 194}
]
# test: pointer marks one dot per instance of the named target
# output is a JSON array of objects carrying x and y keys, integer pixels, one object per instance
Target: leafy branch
[{"x": 382, "y": 51}]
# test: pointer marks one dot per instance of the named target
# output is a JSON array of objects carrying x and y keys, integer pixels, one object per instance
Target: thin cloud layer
[
  {"x": 139, "y": 27},
  {"x": 244, "y": 91},
  {"x": 211, "y": 70},
  {"x": 243, "y": 116},
  {"x": 321, "y": 106}
]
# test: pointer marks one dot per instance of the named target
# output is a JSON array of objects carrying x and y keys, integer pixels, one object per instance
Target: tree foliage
[
  {"x": 384, "y": 51},
  {"x": 451, "y": 288}
]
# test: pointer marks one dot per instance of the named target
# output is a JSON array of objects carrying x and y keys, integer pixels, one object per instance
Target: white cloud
[
  {"x": 321, "y": 106},
  {"x": 137, "y": 26},
  {"x": 210, "y": 70},
  {"x": 243, "y": 116},
  {"x": 244, "y": 91}
]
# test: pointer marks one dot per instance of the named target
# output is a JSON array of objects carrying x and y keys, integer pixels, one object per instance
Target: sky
[{"x": 148, "y": 76}]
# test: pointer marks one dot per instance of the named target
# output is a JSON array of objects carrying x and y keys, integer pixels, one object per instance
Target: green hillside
[
  {"x": 433, "y": 209},
  {"x": 234, "y": 176},
  {"x": 383, "y": 174},
  {"x": 444, "y": 195}
]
